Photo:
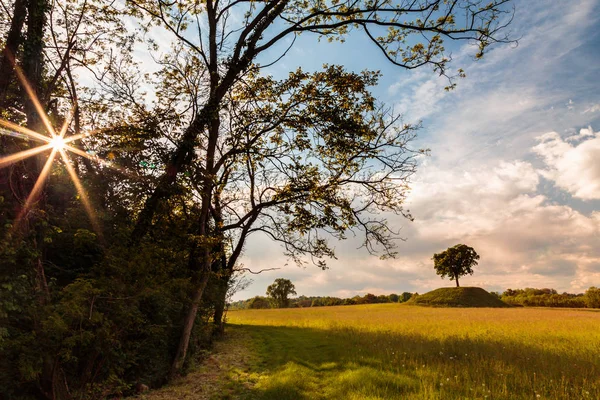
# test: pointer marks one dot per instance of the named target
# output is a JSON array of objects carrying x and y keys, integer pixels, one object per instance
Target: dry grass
[{"x": 390, "y": 351}]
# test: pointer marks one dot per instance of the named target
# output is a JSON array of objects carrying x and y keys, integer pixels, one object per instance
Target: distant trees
[
  {"x": 592, "y": 297},
  {"x": 455, "y": 261},
  {"x": 530, "y": 297},
  {"x": 405, "y": 296},
  {"x": 280, "y": 291},
  {"x": 323, "y": 301},
  {"x": 259, "y": 302}
]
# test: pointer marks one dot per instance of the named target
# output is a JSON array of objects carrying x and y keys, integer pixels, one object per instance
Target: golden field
[{"x": 394, "y": 351}]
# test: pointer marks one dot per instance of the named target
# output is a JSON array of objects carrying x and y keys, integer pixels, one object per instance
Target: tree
[
  {"x": 455, "y": 261},
  {"x": 592, "y": 297},
  {"x": 405, "y": 296},
  {"x": 258, "y": 302},
  {"x": 279, "y": 292},
  {"x": 218, "y": 45}
]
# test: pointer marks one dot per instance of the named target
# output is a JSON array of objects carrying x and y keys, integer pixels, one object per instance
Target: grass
[
  {"x": 391, "y": 351},
  {"x": 458, "y": 297}
]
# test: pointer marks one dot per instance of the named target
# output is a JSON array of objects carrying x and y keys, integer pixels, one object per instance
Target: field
[{"x": 392, "y": 351}]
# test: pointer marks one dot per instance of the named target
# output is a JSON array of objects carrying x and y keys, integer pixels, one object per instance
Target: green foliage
[
  {"x": 530, "y": 297},
  {"x": 102, "y": 328},
  {"x": 258, "y": 302},
  {"x": 405, "y": 296},
  {"x": 280, "y": 291},
  {"x": 592, "y": 297},
  {"x": 455, "y": 262},
  {"x": 323, "y": 301}
]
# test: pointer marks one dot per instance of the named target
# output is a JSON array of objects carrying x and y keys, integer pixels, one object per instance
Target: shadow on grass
[{"x": 345, "y": 363}]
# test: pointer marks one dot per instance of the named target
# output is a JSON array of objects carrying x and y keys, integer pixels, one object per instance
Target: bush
[
  {"x": 530, "y": 297},
  {"x": 259, "y": 302},
  {"x": 592, "y": 297}
]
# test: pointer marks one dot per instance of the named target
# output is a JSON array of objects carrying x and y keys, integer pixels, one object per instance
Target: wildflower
[
  {"x": 447, "y": 379},
  {"x": 452, "y": 358},
  {"x": 538, "y": 396}
]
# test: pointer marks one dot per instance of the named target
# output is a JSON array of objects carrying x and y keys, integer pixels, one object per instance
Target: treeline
[
  {"x": 530, "y": 297},
  {"x": 320, "y": 301}
]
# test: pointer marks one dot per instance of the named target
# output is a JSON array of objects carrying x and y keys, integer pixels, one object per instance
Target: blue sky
[{"x": 513, "y": 171}]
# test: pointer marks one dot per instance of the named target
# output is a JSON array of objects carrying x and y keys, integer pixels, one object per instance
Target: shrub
[{"x": 592, "y": 297}]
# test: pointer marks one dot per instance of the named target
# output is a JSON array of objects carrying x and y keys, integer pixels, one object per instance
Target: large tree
[
  {"x": 280, "y": 291},
  {"x": 456, "y": 261},
  {"x": 324, "y": 178}
]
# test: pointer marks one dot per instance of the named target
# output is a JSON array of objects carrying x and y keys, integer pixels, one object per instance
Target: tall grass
[{"x": 390, "y": 351}]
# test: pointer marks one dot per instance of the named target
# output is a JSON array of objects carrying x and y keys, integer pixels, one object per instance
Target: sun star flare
[{"x": 58, "y": 143}]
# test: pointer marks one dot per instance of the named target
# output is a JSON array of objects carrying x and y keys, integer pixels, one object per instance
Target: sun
[{"x": 58, "y": 143}]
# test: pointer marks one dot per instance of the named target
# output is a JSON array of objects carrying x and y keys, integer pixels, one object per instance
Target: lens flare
[{"x": 58, "y": 143}]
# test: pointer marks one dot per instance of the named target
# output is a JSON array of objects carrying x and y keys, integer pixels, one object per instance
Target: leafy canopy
[
  {"x": 455, "y": 261},
  {"x": 279, "y": 292}
]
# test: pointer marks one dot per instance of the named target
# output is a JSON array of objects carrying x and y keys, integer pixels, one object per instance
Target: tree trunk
[
  {"x": 13, "y": 39},
  {"x": 212, "y": 114},
  {"x": 456, "y": 278},
  {"x": 188, "y": 325},
  {"x": 7, "y": 58},
  {"x": 221, "y": 299},
  {"x": 52, "y": 380}
]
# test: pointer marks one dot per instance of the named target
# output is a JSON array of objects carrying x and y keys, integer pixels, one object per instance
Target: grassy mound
[{"x": 457, "y": 297}]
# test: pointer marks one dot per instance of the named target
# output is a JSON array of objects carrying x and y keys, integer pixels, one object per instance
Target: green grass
[
  {"x": 457, "y": 297},
  {"x": 391, "y": 351}
]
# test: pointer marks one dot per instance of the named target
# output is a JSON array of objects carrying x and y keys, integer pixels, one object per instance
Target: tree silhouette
[
  {"x": 455, "y": 261},
  {"x": 279, "y": 292}
]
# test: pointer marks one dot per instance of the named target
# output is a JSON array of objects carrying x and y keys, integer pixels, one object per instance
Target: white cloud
[
  {"x": 513, "y": 94},
  {"x": 523, "y": 239},
  {"x": 573, "y": 167},
  {"x": 482, "y": 186},
  {"x": 592, "y": 109}
]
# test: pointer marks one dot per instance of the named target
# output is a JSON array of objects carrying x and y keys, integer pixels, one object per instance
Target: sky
[{"x": 513, "y": 170}]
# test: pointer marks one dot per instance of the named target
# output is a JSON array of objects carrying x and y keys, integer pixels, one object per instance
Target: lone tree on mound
[
  {"x": 455, "y": 261},
  {"x": 280, "y": 291}
]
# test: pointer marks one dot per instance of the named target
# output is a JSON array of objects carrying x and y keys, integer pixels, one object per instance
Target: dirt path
[{"x": 225, "y": 374}]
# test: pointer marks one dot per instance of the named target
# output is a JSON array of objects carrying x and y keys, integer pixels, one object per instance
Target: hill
[{"x": 457, "y": 297}]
